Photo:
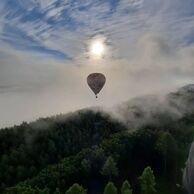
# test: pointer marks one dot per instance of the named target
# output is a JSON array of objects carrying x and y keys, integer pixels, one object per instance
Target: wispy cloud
[
  {"x": 44, "y": 46},
  {"x": 63, "y": 26}
]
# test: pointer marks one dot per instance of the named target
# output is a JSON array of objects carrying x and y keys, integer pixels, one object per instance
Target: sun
[{"x": 97, "y": 49}]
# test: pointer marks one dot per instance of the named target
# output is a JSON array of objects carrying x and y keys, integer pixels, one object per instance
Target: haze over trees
[{"x": 88, "y": 152}]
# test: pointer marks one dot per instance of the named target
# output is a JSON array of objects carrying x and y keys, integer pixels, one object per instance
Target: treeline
[
  {"x": 147, "y": 184},
  {"x": 122, "y": 156},
  {"x": 28, "y": 148},
  {"x": 90, "y": 149}
]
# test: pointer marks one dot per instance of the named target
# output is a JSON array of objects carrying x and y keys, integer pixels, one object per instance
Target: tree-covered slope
[
  {"x": 90, "y": 148},
  {"x": 28, "y": 148},
  {"x": 164, "y": 150}
]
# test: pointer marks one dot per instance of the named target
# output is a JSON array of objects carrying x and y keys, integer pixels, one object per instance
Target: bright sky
[{"x": 48, "y": 47}]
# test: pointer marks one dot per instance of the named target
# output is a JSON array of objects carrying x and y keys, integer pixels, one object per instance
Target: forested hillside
[
  {"x": 90, "y": 148},
  {"x": 28, "y": 148}
]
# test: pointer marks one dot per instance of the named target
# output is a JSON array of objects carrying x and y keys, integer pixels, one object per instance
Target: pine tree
[
  {"x": 167, "y": 146},
  {"x": 57, "y": 191},
  {"x": 110, "y": 189},
  {"x": 148, "y": 181},
  {"x": 110, "y": 169},
  {"x": 126, "y": 188},
  {"x": 76, "y": 189}
]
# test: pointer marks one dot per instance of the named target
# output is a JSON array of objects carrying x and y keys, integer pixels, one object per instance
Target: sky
[{"x": 45, "y": 53}]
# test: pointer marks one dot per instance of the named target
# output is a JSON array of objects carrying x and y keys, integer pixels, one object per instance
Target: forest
[{"x": 89, "y": 152}]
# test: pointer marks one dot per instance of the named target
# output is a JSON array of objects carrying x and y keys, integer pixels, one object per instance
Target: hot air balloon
[{"x": 96, "y": 82}]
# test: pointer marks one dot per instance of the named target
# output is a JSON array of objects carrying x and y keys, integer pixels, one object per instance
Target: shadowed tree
[
  {"x": 110, "y": 189},
  {"x": 166, "y": 144},
  {"x": 147, "y": 181},
  {"x": 57, "y": 191},
  {"x": 76, "y": 189},
  {"x": 126, "y": 188},
  {"x": 110, "y": 169}
]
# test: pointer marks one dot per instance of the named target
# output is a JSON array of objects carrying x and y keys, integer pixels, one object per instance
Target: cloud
[
  {"x": 63, "y": 26},
  {"x": 39, "y": 87},
  {"x": 44, "y": 47}
]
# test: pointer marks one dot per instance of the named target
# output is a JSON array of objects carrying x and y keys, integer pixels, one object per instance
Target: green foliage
[
  {"x": 26, "y": 189},
  {"x": 167, "y": 146},
  {"x": 57, "y": 191},
  {"x": 110, "y": 189},
  {"x": 27, "y": 149},
  {"x": 75, "y": 150},
  {"x": 126, "y": 188},
  {"x": 86, "y": 165},
  {"x": 147, "y": 180},
  {"x": 76, "y": 189},
  {"x": 131, "y": 148},
  {"x": 109, "y": 169}
]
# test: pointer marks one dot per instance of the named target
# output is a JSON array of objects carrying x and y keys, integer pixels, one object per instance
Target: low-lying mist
[{"x": 155, "y": 110}]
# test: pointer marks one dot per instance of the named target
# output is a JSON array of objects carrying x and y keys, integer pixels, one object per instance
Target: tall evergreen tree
[
  {"x": 110, "y": 189},
  {"x": 57, "y": 191},
  {"x": 167, "y": 146},
  {"x": 110, "y": 169},
  {"x": 147, "y": 180},
  {"x": 76, "y": 189},
  {"x": 126, "y": 188}
]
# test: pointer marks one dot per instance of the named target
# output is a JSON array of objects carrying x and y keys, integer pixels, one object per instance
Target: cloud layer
[{"x": 44, "y": 45}]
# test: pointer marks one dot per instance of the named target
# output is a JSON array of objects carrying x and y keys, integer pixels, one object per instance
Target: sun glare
[{"x": 97, "y": 49}]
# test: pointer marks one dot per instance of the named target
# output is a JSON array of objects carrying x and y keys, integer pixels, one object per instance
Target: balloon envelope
[{"x": 96, "y": 82}]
